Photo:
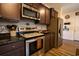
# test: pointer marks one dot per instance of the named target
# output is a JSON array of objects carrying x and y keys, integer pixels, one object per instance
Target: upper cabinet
[
  {"x": 30, "y": 12},
  {"x": 47, "y": 16},
  {"x": 53, "y": 12},
  {"x": 34, "y": 5},
  {"x": 0, "y": 10},
  {"x": 17, "y": 11},
  {"x": 42, "y": 13},
  {"x": 10, "y": 11}
]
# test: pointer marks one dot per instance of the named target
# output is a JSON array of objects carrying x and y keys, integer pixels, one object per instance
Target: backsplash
[{"x": 23, "y": 23}]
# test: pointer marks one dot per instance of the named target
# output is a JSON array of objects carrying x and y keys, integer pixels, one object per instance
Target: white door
[{"x": 76, "y": 28}]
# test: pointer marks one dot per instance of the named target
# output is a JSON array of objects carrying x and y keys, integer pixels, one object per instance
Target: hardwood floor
[{"x": 67, "y": 49}]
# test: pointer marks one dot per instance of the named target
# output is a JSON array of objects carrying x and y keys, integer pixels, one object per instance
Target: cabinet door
[
  {"x": 52, "y": 40},
  {"x": 0, "y": 10},
  {"x": 16, "y": 52},
  {"x": 35, "y": 5},
  {"x": 47, "y": 42},
  {"x": 52, "y": 13},
  {"x": 41, "y": 8},
  {"x": 47, "y": 16},
  {"x": 42, "y": 13},
  {"x": 56, "y": 14},
  {"x": 30, "y": 4},
  {"x": 10, "y": 47},
  {"x": 10, "y": 11}
]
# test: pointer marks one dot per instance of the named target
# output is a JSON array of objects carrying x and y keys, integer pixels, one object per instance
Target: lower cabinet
[
  {"x": 47, "y": 41},
  {"x": 16, "y": 52},
  {"x": 13, "y": 49},
  {"x": 52, "y": 40}
]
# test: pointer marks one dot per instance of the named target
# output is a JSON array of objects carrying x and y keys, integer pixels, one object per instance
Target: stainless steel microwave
[{"x": 30, "y": 12}]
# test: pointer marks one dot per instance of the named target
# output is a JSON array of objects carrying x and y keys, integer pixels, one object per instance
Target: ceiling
[
  {"x": 51, "y": 5},
  {"x": 66, "y": 7}
]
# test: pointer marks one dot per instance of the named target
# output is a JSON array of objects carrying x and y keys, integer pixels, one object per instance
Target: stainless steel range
[
  {"x": 33, "y": 45},
  {"x": 34, "y": 41}
]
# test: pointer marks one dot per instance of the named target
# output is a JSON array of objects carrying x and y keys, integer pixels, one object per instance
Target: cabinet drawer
[
  {"x": 12, "y": 46},
  {"x": 16, "y": 52}
]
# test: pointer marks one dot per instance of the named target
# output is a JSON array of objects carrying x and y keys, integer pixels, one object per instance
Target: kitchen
[{"x": 27, "y": 28}]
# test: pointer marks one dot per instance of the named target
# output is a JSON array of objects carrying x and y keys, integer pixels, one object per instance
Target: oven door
[{"x": 35, "y": 46}]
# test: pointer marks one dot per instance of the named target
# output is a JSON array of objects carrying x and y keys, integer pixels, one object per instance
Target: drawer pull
[{"x": 13, "y": 46}]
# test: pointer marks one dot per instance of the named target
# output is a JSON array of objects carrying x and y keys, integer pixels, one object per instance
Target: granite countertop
[
  {"x": 46, "y": 31},
  {"x": 25, "y": 38},
  {"x": 31, "y": 35},
  {"x": 10, "y": 40},
  {"x": 7, "y": 40}
]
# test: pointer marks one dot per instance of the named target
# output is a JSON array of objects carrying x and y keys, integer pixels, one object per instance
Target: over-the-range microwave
[{"x": 30, "y": 12}]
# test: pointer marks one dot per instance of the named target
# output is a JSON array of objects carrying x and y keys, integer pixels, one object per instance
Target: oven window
[
  {"x": 32, "y": 47},
  {"x": 35, "y": 46},
  {"x": 28, "y": 12}
]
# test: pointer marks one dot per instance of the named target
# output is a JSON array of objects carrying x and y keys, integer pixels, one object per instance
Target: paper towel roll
[{"x": 12, "y": 33}]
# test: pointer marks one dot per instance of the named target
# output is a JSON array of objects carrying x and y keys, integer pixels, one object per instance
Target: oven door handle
[{"x": 31, "y": 40}]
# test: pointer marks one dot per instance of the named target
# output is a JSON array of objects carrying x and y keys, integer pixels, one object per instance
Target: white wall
[
  {"x": 68, "y": 34},
  {"x": 70, "y": 10}
]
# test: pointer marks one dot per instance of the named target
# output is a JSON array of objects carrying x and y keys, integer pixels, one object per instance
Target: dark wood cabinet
[
  {"x": 47, "y": 16},
  {"x": 42, "y": 13},
  {"x": 56, "y": 28},
  {"x": 0, "y": 10},
  {"x": 12, "y": 49},
  {"x": 16, "y": 52},
  {"x": 47, "y": 42},
  {"x": 52, "y": 43},
  {"x": 30, "y": 4},
  {"x": 10, "y": 11},
  {"x": 13, "y": 11},
  {"x": 53, "y": 13},
  {"x": 34, "y": 5}
]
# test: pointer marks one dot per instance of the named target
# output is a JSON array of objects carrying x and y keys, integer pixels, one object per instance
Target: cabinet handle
[{"x": 13, "y": 46}]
